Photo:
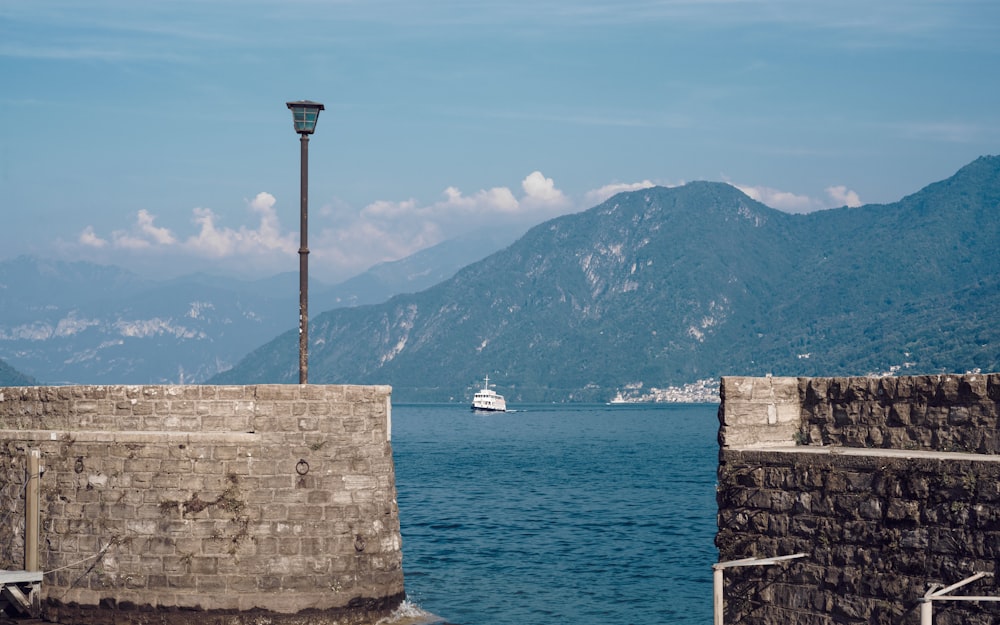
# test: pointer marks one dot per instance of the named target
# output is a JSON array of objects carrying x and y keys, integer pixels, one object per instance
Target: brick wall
[
  {"x": 887, "y": 485},
  {"x": 270, "y": 503}
]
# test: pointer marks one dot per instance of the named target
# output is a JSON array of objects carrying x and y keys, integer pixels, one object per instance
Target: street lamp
[{"x": 304, "y": 115}]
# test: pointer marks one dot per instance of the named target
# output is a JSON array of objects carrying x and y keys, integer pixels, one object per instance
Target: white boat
[{"x": 488, "y": 400}]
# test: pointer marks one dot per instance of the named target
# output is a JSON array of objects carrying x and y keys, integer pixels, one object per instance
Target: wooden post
[{"x": 31, "y": 497}]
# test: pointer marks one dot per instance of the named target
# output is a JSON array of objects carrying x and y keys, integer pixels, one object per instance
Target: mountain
[
  {"x": 77, "y": 322},
  {"x": 9, "y": 376},
  {"x": 665, "y": 286},
  {"x": 84, "y": 323},
  {"x": 413, "y": 273}
]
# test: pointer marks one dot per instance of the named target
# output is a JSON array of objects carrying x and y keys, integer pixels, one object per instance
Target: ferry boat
[{"x": 487, "y": 400}]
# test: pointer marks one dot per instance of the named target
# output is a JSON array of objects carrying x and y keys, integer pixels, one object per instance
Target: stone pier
[
  {"x": 229, "y": 505},
  {"x": 889, "y": 486}
]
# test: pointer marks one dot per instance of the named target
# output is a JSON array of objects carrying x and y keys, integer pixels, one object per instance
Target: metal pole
[
  {"x": 304, "y": 263},
  {"x": 718, "y": 599},
  {"x": 717, "y": 584},
  {"x": 31, "y": 497},
  {"x": 941, "y": 594}
]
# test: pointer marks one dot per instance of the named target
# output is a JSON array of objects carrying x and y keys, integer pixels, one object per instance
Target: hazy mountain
[
  {"x": 9, "y": 376},
  {"x": 83, "y": 323},
  {"x": 415, "y": 272},
  {"x": 665, "y": 286},
  {"x": 77, "y": 322}
]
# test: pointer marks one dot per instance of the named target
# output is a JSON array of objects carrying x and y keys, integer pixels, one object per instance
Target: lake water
[{"x": 584, "y": 515}]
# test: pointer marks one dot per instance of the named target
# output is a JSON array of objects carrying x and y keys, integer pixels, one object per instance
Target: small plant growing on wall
[{"x": 230, "y": 500}]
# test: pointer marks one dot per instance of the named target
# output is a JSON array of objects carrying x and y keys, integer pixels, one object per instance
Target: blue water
[{"x": 558, "y": 514}]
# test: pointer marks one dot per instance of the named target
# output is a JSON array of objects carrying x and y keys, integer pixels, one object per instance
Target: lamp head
[{"x": 305, "y": 113}]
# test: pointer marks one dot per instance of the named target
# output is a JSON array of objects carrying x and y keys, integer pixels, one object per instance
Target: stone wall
[
  {"x": 887, "y": 485},
  {"x": 211, "y": 504}
]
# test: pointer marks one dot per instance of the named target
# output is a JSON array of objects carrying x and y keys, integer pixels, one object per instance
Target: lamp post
[{"x": 304, "y": 115}]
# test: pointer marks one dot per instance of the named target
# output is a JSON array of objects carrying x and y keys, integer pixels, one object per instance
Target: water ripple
[{"x": 588, "y": 515}]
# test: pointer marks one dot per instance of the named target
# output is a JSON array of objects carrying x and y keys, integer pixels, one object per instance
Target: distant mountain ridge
[
  {"x": 665, "y": 286},
  {"x": 82, "y": 323},
  {"x": 9, "y": 376},
  {"x": 415, "y": 272}
]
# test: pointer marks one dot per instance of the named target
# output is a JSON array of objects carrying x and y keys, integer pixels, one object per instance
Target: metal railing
[
  {"x": 935, "y": 593},
  {"x": 718, "y": 581}
]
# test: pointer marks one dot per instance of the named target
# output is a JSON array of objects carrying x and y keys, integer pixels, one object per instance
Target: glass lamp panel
[
  {"x": 305, "y": 119},
  {"x": 305, "y": 113}
]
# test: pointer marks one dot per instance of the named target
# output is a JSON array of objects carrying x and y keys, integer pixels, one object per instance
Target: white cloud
[
  {"x": 838, "y": 195},
  {"x": 384, "y": 209},
  {"x": 159, "y": 236},
  {"x": 344, "y": 242},
  {"x": 210, "y": 241},
  {"x": 89, "y": 239},
  {"x": 596, "y": 196},
  {"x": 123, "y": 240},
  {"x": 782, "y": 200},
  {"x": 268, "y": 234},
  {"x": 842, "y": 196},
  {"x": 542, "y": 191},
  {"x": 386, "y": 230},
  {"x": 263, "y": 205},
  {"x": 215, "y": 242},
  {"x": 350, "y": 248},
  {"x": 499, "y": 199},
  {"x": 144, "y": 234}
]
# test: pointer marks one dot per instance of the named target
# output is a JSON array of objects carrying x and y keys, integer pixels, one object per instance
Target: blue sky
[{"x": 155, "y": 135}]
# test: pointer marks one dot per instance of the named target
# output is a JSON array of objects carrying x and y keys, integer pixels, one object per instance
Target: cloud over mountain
[{"x": 344, "y": 241}]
